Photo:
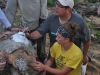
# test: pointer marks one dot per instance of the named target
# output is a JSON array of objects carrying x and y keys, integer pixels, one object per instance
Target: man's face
[{"x": 60, "y": 9}]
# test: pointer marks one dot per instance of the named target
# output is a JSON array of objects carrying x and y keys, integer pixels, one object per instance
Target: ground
[{"x": 93, "y": 67}]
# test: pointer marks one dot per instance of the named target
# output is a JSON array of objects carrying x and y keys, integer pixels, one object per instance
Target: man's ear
[{"x": 68, "y": 10}]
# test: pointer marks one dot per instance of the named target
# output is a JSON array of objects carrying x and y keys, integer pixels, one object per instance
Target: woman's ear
[{"x": 67, "y": 40}]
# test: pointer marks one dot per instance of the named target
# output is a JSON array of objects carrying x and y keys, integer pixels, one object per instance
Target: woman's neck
[{"x": 67, "y": 46}]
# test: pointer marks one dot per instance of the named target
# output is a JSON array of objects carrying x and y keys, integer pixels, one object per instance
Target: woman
[{"x": 64, "y": 52}]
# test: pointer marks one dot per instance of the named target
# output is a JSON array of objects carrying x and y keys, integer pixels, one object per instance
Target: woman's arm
[{"x": 41, "y": 67}]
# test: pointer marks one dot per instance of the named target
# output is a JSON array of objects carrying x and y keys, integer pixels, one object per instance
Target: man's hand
[
  {"x": 16, "y": 29},
  {"x": 4, "y": 34},
  {"x": 85, "y": 60},
  {"x": 27, "y": 32},
  {"x": 13, "y": 29}
]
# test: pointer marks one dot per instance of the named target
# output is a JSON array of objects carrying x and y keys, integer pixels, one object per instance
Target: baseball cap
[{"x": 69, "y": 3}]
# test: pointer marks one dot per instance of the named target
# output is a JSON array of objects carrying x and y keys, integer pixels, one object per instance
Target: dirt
[{"x": 93, "y": 67}]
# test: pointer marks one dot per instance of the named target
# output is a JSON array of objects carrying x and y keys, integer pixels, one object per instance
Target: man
[
  {"x": 33, "y": 13},
  {"x": 4, "y": 20},
  {"x": 6, "y": 24},
  {"x": 8, "y": 27},
  {"x": 63, "y": 14}
]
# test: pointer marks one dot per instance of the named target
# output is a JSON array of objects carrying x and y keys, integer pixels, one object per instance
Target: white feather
[{"x": 20, "y": 37}]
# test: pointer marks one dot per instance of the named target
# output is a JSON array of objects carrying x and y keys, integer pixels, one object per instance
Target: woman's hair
[{"x": 72, "y": 28}]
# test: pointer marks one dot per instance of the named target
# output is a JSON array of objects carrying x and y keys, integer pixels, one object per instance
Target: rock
[{"x": 98, "y": 11}]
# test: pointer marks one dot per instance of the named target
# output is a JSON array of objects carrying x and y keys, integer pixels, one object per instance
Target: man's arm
[
  {"x": 33, "y": 35},
  {"x": 4, "y": 20},
  {"x": 85, "y": 51}
]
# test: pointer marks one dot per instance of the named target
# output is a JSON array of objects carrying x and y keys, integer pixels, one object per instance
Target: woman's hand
[
  {"x": 38, "y": 66},
  {"x": 43, "y": 73}
]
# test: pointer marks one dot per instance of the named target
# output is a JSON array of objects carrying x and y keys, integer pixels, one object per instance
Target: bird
[{"x": 20, "y": 37}]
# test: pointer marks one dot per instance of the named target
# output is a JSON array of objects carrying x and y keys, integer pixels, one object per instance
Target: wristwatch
[{"x": 8, "y": 29}]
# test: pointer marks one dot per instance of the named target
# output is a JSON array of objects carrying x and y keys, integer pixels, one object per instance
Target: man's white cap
[{"x": 69, "y": 3}]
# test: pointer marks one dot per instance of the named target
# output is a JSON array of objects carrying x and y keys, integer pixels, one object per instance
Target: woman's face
[{"x": 60, "y": 39}]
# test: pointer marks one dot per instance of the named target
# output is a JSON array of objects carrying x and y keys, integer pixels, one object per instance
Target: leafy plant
[
  {"x": 90, "y": 26},
  {"x": 97, "y": 32},
  {"x": 92, "y": 1},
  {"x": 51, "y": 2},
  {"x": 75, "y": 1},
  {"x": 17, "y": 21}
]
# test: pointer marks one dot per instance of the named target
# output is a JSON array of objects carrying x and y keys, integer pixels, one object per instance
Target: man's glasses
[{"x": 61, "y": 6}]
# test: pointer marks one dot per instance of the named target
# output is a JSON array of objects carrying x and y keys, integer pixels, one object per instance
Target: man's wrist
[{"x": 9, "y": 28}]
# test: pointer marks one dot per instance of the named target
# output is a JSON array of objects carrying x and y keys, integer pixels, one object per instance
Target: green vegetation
[
  {"x": 52, "y": 2},
  {"x": 75, "y": 1},
  {"x": 97, "y": 32},
  {"x": 17, "y": 21},
  {"x": 90, "y": 26},
  {"x": 92, "y": 1}
]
